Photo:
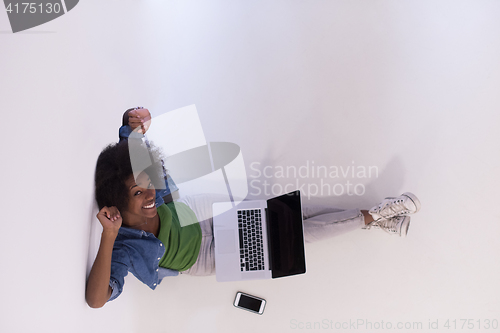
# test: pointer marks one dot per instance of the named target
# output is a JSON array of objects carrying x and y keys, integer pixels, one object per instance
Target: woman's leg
[
  {"x": 391, "y": 215},
  {"x": 368, "y": 217},
  {"x": 205, "y": 264},
  {"x": 322, "y": 222}
]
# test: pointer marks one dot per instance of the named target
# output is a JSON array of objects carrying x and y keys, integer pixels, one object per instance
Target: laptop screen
[{"x": 286, "y": 241}]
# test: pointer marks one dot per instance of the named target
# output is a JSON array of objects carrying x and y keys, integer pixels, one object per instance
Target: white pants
[{"x": 320, "y": 222}]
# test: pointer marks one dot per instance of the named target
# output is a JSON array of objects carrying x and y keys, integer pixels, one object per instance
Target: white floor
[{"x": 407, "y": 88}]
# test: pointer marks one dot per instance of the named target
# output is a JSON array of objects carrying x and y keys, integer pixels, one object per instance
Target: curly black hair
[{"x": 114, "y": 168}]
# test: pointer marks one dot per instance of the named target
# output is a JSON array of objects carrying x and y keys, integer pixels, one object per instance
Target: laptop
[{"x": 259, "y": 239}]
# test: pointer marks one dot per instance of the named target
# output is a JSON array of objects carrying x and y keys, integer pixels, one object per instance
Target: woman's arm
[{"x": 98, "y": 290}]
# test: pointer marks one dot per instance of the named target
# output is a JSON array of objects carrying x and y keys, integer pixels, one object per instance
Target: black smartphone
[{"x": 250, "y": 303}]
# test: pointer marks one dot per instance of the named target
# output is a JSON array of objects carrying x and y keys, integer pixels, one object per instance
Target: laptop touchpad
[{"x": 226, "y": 241}]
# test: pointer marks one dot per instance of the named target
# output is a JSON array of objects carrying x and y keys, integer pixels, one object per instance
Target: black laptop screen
[{"x": 286, "y": 241}]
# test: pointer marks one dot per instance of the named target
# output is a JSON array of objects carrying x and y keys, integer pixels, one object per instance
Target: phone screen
[{"x": 249, "y": 303}]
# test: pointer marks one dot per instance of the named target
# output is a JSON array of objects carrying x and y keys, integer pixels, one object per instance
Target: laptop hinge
[{"x": 269, "y": 247}]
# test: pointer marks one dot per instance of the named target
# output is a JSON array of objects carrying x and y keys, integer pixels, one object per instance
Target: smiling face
[{"x": 141, "y": 200}]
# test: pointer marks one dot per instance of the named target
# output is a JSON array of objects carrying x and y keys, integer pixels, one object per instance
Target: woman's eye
[{"x": 137, "y": 193}]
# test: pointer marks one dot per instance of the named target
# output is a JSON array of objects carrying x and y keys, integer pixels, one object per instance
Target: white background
[{"x": 408, "y": 86}]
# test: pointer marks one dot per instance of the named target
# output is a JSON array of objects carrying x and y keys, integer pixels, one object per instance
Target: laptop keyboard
[{"x": 251, "y": 247}]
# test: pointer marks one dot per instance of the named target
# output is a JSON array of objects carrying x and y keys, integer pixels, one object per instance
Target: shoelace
[
  {"x": 391, "y": 208},
  {"x": 388, "y": 225}
]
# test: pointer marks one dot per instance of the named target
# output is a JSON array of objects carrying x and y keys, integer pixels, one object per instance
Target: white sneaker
[
  {"x": 397, "y": 225},
  {"x": 405, "y": 204}
]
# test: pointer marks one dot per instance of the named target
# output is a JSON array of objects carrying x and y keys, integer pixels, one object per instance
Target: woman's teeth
[{"x": 149, "y": 206}]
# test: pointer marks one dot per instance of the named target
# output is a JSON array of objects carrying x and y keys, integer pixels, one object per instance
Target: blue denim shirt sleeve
[
  {"x": 120, "y": 263},
  {"x": 124, "y": 132},
  {"x": 138, "y": 252},
  {"x": 169, "y": 188}
]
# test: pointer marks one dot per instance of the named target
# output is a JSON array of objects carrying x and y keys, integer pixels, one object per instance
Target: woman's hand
[
  {"x": 139, "y": 118},
  {"x": 110, "y": 218}
]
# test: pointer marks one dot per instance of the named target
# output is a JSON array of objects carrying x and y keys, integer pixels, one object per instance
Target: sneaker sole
[
  {"x": 413, "y": 198},
  {"x": 405, "y": 224}
]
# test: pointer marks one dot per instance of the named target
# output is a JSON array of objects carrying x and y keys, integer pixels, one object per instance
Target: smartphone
[{"x": 249, "y": 302}]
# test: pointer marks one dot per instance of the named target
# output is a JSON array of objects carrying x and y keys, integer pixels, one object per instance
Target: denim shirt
[{"x": 138, "y": 252}]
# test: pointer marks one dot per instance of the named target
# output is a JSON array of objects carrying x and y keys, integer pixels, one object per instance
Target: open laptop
[{"x": 259, "y": 239}]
